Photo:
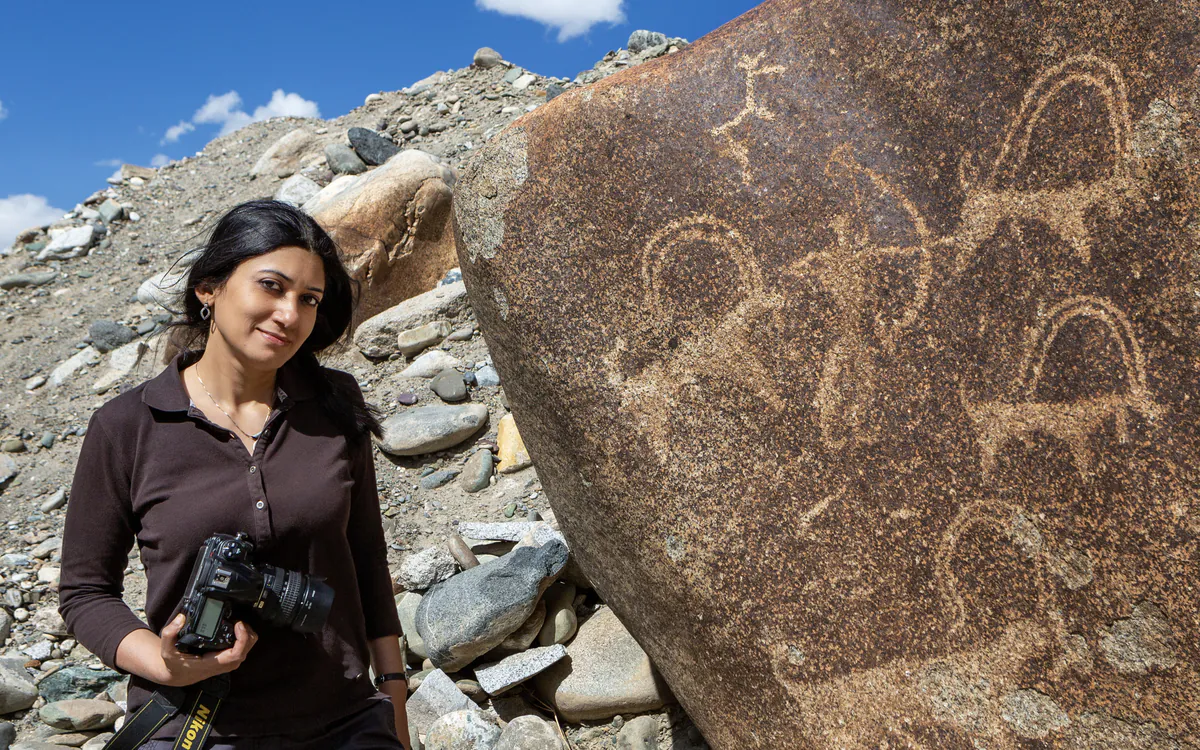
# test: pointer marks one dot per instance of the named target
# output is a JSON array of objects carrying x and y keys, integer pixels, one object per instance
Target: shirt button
[
  {"x": 260, "y": 505},
  {"x": 253, "y": 469}
]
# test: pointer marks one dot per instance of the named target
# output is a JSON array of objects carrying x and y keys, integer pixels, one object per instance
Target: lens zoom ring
[{"x": 291, "y": 595}]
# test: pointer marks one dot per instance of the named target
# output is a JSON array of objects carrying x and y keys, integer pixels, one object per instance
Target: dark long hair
[{"x": 258, "y": 227}]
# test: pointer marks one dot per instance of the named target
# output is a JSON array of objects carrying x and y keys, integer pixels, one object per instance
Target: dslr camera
[{"x": 226, "y": 581}]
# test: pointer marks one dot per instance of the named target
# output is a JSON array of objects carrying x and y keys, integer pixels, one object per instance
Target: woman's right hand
[{"x": 188, "y": 669}]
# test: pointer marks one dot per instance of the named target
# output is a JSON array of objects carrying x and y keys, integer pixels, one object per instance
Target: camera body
[{"x": 226, "y": 581}]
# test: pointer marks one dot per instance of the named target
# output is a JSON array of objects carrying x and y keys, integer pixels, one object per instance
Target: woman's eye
[
  {"x": 270, "y": 284},
  {"x": 312, "y": 301}
]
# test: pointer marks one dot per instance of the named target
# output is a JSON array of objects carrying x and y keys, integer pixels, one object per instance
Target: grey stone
[
  {"x": 607, "y": 674},
  {"x": 32, "y": 278},
  {"x": 407, "y": 611},
  {"x": 371, "y": 147},
  {"x": 427, "y": 567},
  {"x": 8, "y": 734},
  {"x": 524, "y": 82},
  {"x": 642, "y": 40},
  {"x": 561, "y": 622},
  {"x": 422, "y": 337},
  {"x": 121, "y": 363},
  {"x": 286, "y": 156},
  {"x": 513, "y": 670},
  {"x": 38, "y": 650},
  {"x": 376, "y": 337},
  {"x": 47, "y": 440},
  {"x": 297, "y": 190},
  {"x": 436, "y": 697},
  {"x": 463, "y": 730},
  {"x": 86, "y": 357},
  {"x": 438, "y": 479},
  {"x": 37, "y": 381},
  {"x": 640, "y": 733},
  {"x": 70, "y": 243},
  {"x": 531, "y": 533},
  {"x": 430, "y": 363},
  {"x": 477, "y": 472},
  {"x": 107, "y": 335},
  {"x": 17, "y": 691},
  {"x": 165, "y": 289},
  {"x": 48, "y": 621},
  {"x": 487, "y": 58},
  {"x": 80, "y": 714},
  {"x": 469, "y": 614},
  {"x": 523, "y": 637},
  {"x": 342, "y": 159},
  {"x": 513, "y": 74},
  {"x": 553, "y": 90},
  {"x": 77, "y": 682},
  {"x": 487, "y": 376},
  {"x": 528, "y": 733},
  {"x": 8, "y": 469},
  {"x": 431, "y": 428},
  {"x": 111, "y": 211},
  {"x": 48, "y": 547},
  {"x": 449, "y": 386},
  {"x": 55, "y": 501}
]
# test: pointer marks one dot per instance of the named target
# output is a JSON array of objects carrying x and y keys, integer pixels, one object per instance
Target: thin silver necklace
[{"x": 254, "y": 436}]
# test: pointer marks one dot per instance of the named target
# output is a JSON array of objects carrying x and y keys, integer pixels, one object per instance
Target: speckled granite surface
[{"x": 856, "y": 346}]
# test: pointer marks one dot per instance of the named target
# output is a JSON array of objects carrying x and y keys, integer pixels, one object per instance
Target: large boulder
[
  {"x": 877, "y": 383},
  {"x": 285, "y": 157},
  {"x": 393, "y": 224},
  {"x": 466, "y": 616}
]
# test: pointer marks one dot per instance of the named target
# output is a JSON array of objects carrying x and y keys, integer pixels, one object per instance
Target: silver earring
[{"x": 205, "y": 311}]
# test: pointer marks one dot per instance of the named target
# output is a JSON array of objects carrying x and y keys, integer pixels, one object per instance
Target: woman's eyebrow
[{"x": 288, "y": 279}]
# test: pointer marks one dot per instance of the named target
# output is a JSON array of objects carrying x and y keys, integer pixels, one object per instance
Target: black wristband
[{"x": 390, "y": 676}]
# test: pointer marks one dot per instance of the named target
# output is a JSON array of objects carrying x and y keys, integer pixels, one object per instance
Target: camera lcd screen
[{"x": 209, "y": 617}]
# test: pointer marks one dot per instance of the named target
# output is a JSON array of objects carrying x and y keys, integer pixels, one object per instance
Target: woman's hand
[{"x": 187, "y": 669}]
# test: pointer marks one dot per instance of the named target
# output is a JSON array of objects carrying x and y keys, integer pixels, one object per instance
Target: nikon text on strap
[{"x": 205, "y": 698}]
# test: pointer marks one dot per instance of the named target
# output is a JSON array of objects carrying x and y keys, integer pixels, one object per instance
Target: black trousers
[{"x": 372, "y": 728}]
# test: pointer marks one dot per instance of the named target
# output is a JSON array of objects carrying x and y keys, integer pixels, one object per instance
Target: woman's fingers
[{"x": 246, "y": 638}]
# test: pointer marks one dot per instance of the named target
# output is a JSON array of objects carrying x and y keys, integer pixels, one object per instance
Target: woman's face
[{"x": 268, "y": 306}]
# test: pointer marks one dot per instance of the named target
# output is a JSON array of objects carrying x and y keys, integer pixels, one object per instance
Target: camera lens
[{"x": 295, "y": 600}]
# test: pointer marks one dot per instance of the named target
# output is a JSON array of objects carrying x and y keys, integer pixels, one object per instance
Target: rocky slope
[{"x": 76, "y": 332}]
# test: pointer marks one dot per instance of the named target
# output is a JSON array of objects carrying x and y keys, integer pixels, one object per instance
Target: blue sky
[{"x": 86, "y": 86}]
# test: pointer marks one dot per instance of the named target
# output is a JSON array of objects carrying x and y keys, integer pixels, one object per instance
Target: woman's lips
[{"x": 273, "y": 338}]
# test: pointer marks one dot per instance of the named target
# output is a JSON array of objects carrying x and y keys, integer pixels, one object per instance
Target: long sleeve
[
  {"x": 99, "y": 532},
  {"x": 365, "y": 533}
]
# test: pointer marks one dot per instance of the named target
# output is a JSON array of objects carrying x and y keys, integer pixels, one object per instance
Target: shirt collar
[{"x": 165, "y": 391}]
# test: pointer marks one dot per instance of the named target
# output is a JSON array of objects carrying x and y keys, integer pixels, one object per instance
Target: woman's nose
[{"x": 287, "y": 312}]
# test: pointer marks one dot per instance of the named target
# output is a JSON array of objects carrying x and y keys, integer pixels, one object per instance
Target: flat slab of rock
[
  {"x": 32, "y": 278},
  {"x": 513, "y": 670},
  {"x": 607, "y": 674},
  {"x": 85, "y": 357},
  {"x": 17, "y": 691},
  {"x": 80, "y": 714},
  {"x": 874, "y": 373},
  {"x": 377, "y": 336},
  {"x": 430, "y": 364},
  {"x": 427, "y": 429},
  {"x": 436, "y": 697},
  {"x": 471, "y": 613}
]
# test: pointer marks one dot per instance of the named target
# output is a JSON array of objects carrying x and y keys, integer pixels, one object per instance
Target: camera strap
[{"x": 201, "y": 703}]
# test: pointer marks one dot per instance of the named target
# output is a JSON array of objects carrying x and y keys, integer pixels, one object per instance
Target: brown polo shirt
[{"x": 154, "y": 469}]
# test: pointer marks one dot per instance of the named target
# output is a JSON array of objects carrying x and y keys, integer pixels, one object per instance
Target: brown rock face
[
  {"x": 393, "y": 224},
  {"x": 856, "y": 345}
]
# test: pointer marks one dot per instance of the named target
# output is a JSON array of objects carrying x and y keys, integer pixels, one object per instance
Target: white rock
[
  {"x": 436, "y": 697},
  {"x": 86, "y": 357},
  {"x": 48, "y": 574},
  {"x": 513, "y": 670},
  {"x": 524, "y": 82},
  {"x": 377, "y": 335},
  {"x": 164, "y": 290},
  {"x": 329, "y": 193},
  {"x": 122, "y": 361},
  {"x": 427, "y": 567},
  {"x": 431, "y": 363},
  {"x": 463, "y": 730},
  {"x": 71, "y": 243},
  {"x": 297, "y": 190}
]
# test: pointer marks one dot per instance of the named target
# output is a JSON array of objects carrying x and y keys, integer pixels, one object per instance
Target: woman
[{"x": 245, "y": 432}]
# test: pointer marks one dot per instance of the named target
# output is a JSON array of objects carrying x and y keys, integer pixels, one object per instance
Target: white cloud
[
  {"x": 3, "y": 111},
  {"x": 286, "y": 105},
  {"x": 20, "y": 212},
  {"x": 226, "y": 110},
  {"x": 572, "y": 18},
  {"x": 108, "y": 163},
  {"x": 159, "y": 160},
  {"x": 176, "y": 131}
]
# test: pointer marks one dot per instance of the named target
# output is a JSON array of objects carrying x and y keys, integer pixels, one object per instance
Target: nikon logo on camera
[{"x": 199, "y": 720}]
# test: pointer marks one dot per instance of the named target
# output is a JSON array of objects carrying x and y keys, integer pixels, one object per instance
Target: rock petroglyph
[
  {"x": 1074, "y": 422},
  {"x": 1065, "y": 210},
  {"x": 733, "y": 147}
]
